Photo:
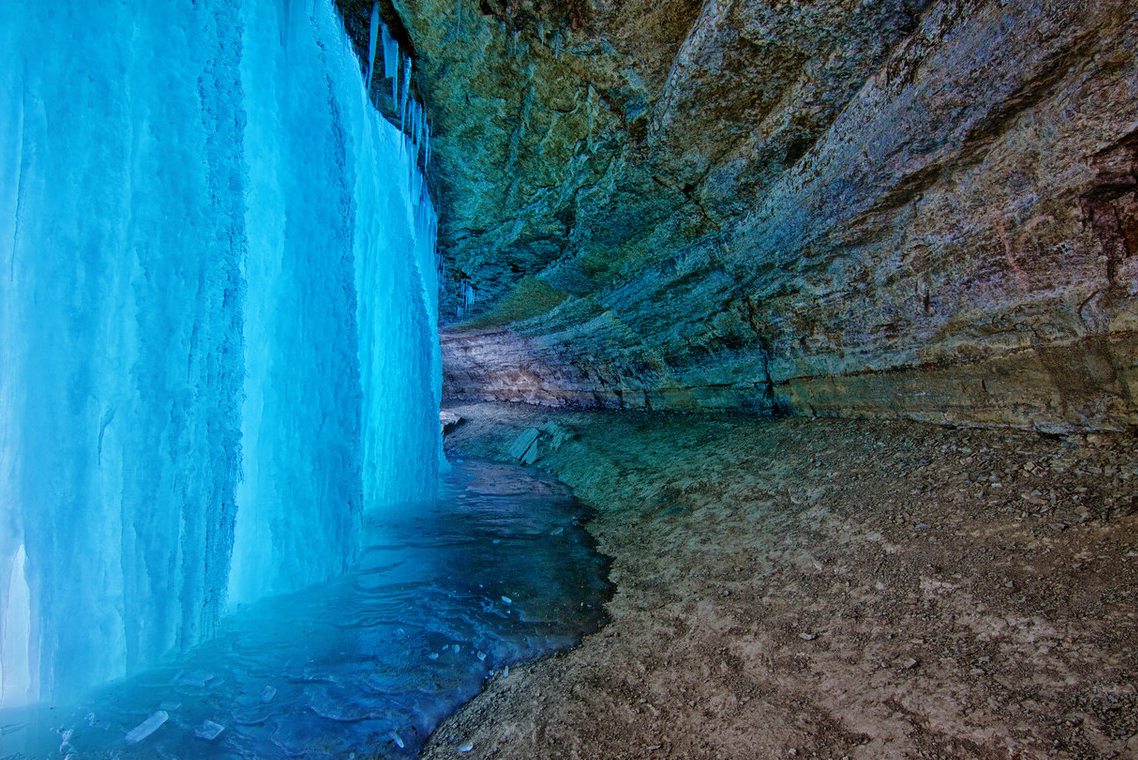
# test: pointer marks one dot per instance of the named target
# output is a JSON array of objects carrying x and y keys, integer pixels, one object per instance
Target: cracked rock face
[{"x": 878, "y": 208}]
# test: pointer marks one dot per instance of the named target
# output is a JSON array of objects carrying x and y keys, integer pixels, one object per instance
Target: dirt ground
[{"x": 830, "y": 589}]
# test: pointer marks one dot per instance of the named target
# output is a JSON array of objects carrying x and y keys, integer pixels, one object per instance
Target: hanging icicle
[
  {"x": 395, "y": 80},
  {"x": 373, "y": 35},
  {"x": 406, "y": 91},
  {"x": 420, "y": 131},
  {"x": 390, "y": 54},
  {"x": 466, "y": 298}
]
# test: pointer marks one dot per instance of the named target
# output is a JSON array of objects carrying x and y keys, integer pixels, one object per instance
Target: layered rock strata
[{"x": 884, "y": 208}]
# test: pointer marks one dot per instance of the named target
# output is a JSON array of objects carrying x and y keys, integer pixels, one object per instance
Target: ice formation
[
  {"x": 390, "y": 53},
  {"x": 496, "y": 570},
  {"x": 405, "y": 91},
  {"x": 373, "y": 35},
  {"x": 217, "y": 323}
]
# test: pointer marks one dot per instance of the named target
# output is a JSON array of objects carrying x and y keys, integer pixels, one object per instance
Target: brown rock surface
[
  {"x": 884, "y": 208},
  {"x": 830, "y": 589}
]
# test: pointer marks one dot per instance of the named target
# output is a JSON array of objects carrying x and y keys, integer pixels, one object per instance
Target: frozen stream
[{"x": 445, "y": 595}]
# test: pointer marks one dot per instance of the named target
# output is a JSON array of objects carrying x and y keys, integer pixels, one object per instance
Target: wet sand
[{"x": 829, "y": 589}]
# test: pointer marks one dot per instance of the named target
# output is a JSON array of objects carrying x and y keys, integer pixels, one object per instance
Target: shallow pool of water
[{"x": 445, "y": 596}]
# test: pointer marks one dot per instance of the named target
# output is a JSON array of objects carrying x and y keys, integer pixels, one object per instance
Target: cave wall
[{"x": 896, "y": 208}]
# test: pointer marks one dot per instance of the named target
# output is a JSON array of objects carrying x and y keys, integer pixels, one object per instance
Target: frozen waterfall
[{"x": 217, "y": 323}]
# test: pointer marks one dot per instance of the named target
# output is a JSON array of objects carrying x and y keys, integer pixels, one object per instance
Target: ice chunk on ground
[
  {"x": 208, "y": 730},
  {"x": 147, "y": 727}
]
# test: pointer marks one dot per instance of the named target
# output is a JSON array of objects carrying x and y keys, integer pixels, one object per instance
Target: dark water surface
[{"x": 445, "y": 595}]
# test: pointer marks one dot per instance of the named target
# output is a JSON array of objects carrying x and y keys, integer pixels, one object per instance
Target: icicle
[
  {"x": 406, "y": 91},
  {"x": 420, "y": 131},
  {"x": 390, "y": 54},
  {"x": 415, "y": 137},
  {"x": 541, "y": 31},
  {"x": 401, "y": 101},
  {"x": 395, "y": 82},
  {"x": 466, "y": 292},
  {"x": 418, "y": 124},
  {"x": 372, "y": 38},
  {"x": 557, "y": 43}
]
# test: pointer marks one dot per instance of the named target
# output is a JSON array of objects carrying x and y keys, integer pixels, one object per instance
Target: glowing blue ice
[
  {"x": 390, "y": 53},
  {"x": 496, "y": 571},
  {"x": 217, "y": 323},
  {"x": 405, "y": 91},
  {"x": 373, "y": 35},
  {"x": 395, "y": 78}
]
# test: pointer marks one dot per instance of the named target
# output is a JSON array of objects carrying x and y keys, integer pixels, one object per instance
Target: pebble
[{"x": 465, "y": 747}]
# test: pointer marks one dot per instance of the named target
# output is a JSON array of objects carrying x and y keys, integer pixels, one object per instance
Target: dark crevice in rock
[{"x": 1111, "y": 206}]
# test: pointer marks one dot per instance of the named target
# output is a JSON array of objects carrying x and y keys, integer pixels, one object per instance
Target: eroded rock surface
[{"x": 884, "y": 208}]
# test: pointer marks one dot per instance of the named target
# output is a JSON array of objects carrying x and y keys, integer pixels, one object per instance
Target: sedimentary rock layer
[{"x": 896, "y": 207}]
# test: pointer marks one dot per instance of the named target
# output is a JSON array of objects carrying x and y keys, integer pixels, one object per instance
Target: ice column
[
  {"x": 217, "y": 336},
  {"x": 330, "y": 195},
  {"x": 122, "y": 236}
]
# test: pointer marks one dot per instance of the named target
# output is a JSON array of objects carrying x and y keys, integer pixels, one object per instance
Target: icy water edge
[{"x": 446, "y": 595}]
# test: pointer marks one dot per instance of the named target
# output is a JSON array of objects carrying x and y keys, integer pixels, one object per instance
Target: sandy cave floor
[{"x": 830, "y": 589}]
